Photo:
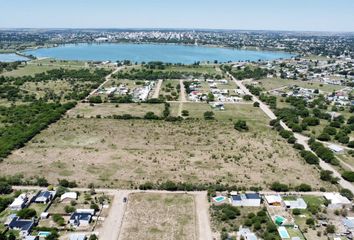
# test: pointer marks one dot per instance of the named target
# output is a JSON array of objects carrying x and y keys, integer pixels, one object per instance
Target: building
[
  {"x": 274, "y": 200},
  {"x": 245, "y": 200},
  {"x": 335, "y": 148},
  {"x": 45, "y": 197},
  {"x": 296, "y": 204},
  {"x": 19, "y": 202},
  {"x": 68, "y": 196},
  {"x": 77, "y": 236},
  {"x": 80, "y": 219},
  {"x": 24, "y": 226},
  {"x": 337, "y": 200},
  {"x": 246, "y": 234}
]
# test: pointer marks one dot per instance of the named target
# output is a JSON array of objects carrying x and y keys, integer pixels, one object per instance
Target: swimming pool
[
  {"x": 283, "y": 233},
  {"x": 43, "y": 234},
  {"x": 219, "y": 199}
]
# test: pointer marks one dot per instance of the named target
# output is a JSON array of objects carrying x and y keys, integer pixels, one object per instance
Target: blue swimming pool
[{"x": 283, "y": 233}]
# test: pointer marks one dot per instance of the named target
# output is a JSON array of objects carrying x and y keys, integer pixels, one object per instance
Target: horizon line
[{"x": 172, "y": 28}]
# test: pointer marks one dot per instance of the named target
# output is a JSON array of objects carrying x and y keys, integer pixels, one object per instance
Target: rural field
[
  {"x": 127, "y": 153},
  {"x": 153, "y": 216},
  {"x": 273, "y": 83},
  {"x": 109, "y": 109}
]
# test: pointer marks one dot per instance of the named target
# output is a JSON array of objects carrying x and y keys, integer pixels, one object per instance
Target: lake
[
  {"x": 153, "y": 52},
  {"x": 11, "y": 57}
]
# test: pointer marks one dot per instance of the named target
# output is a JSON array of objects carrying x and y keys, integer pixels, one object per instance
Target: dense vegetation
[
  {"x": 80, "y": 82},
  {"x": 21, "y": 123}
]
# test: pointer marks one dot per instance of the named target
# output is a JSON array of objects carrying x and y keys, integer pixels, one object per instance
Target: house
[
  {"x": 45, "y": 196},
  {"x": 335, "y": 148},
  {"x": 274, "y": 200},
  {"x": 19, "y": 202},
  {"x": 348, "y": 223},
  {"x": 246, "y": 234},
  {"x": 337, "y": 201},
  {"x": 32, "y": 238},
  {"x": 80, "y": 219},
  {"x": 296, "y": 204},
  {"x": 245, "y": 200},
  {"x": 24, "y": 226},
  {"x": 77, "y": 236},
  {"x": 68, "y": 196}
]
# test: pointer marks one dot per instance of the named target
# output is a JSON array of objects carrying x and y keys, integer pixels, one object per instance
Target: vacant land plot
[
  {"x": 274, "y": 83},
  {"x": 110, "y": 109},
  {"x": 126, "y": 153},
  {"x": 208, "y": 69},
  {"x": 232, "y": 111},
  {"x": 40, "y": 66},
  {"x": 153, "y": 216}
]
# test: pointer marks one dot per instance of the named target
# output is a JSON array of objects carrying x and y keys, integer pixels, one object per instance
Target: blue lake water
[
  {"x": 11, "y": 57},
  {"x": 153, "y": 52}
]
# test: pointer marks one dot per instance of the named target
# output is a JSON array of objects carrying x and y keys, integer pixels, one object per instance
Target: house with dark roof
[
  {"x": 245, "y": 199},
  {"x": 45, "y": 197},
  {"x": 22, "y": 225},
  {"x": 80, "y": 219}
]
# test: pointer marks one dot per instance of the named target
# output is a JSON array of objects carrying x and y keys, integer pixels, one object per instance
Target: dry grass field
[
  {"x": 109, "y": 109},
  {"x": 126, "y": 153},
  {"x": 151, "y": 216},
  {"x": 273, "y": 83}
]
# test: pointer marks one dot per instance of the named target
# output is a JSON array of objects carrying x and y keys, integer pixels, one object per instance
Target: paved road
[
  {"x": 299, "y": 137},
  {"x": 108, "y": 78},
  {"x": 157, "y": 89}
]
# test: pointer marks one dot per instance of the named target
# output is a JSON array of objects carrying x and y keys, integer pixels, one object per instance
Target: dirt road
[
  {"x": 107, "y": 79},
  {"x": 157, "y": 89},
  {"x": 112, "y": 225},
  {"x": 203, "y": 220},
  {"x": 182, "y": 98}
]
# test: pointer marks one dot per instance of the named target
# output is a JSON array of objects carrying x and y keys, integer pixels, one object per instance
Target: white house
[
  {"x": 246, "y": 234},
  {"x": 80, "y": 219},
  {"x": 274, "y": 200},
  {"x": 337, "y": 200},
  {"x": 19, "y": 202},
  {"x": 296, "y": 204},
  {"x": 245, "y": 200},
  {"x": 68, "y": 196}
]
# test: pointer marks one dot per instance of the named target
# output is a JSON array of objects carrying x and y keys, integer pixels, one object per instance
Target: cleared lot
[
  {"x": 109, "y": 109},
  {"x": 153, "y": 216},
  {"x": 127, "y": 153}
]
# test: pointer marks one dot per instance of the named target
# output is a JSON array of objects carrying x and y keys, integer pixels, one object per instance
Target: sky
[{"x": 296, "y": 15}]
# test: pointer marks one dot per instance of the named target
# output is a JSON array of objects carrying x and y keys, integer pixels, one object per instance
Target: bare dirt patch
[{"x": 159, "y": 216}]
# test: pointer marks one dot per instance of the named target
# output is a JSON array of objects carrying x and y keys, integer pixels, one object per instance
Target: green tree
[
  {"x": 208, "y": 115},
  {"x": 241, "y": 126}
]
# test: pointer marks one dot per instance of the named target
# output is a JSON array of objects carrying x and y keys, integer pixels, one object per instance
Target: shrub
[
  {"x": 5, "y": 187},
  {"x": 351, "y": 144},
  {"x": 58, "y": 219},
  {"x": 347, "y": 193},
  {"x": 310, "y": 221},
  {"x": 324, "y": 137},
  {"x": 256, "y": 104},
  {"x": 241, "y": 125},
  {"x": 348, "y": 175},
  {"x": 69, "y": 209},
  {"x": 292, "y": 140},
  {"x": 309, "y": 157},
  {"x": 185, "y": 113},
  {"x": 296, "y": 211},
  {"x": 285, "y": 134},
  {"x": 279, "y": 187},
  {"x": 208, "y": 115},
  {"x": 304, "y": 188},
  {"x": 27, "y": 213},
  {"x": 298, "y": 146},
  {"x": 150, "y": 116}
]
